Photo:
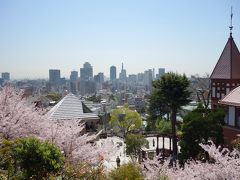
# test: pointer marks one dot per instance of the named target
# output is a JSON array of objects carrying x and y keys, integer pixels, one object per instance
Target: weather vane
[{"x": 231, "y": 26}]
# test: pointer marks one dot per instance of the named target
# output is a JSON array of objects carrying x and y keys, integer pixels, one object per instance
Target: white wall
[{"x": 231, "y": 113}]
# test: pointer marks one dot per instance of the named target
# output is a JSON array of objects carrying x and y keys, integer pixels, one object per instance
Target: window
[
  {"x": 231, "y": 112},
  {"x": 213, "y": 92}
]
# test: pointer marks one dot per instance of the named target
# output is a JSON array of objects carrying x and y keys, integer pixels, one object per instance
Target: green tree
[
  {"x": 172, "y": 88},
  {"x": 199, "y": 126},
  {"x": 32, "y": 158},
  {"x": 6, "y": 157},
  {"x": 54, "y": 96},
  {"x": 157, "y": 109},
  {"x": 163, "y": 126},
  {"x": 134, "y": 144},
  {"x": 126, "y": 171},
  {"x": 84, "y": 170},
  {"x": 125, "y": 120},
  {"x": 95, "y": 98}
]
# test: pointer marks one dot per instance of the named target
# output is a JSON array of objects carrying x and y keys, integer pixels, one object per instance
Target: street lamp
[{"x": 103, "y": 103}]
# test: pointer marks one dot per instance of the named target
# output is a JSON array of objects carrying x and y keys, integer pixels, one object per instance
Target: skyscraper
[
  {"x": 123, "y": 74},
  {"x": 86, "y": 73},
  {"x": 54, "y": 76},
  {"x": 161, "y": 71},
  {"x": 148, "y": 78},
  {"x": 74, "y": 76},
  {"x": 6, "y": 76},
  {"x": 113, "y": 73},
  {"x": 74, "y": 82}
]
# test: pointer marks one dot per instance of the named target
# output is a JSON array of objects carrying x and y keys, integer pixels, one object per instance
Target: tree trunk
[{"x": 174, "y": 136}]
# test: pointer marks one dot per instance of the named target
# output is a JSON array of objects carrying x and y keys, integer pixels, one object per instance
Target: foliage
[
  {"x": 236, "y": 143},
  {"x": 95, "y": 98},
  {"x": 6, "y": 157},
  {"x": 172, "y": 88},
  {"x": 84, "y": 170},
  {"x": 163, "y": 126},
  {"x": 54, "y": 96},
  {"x": 21, "y": 119},
  {"x": 125, "y": 120},
  {"x": 199, "y": 126},
  {"x": 226, "y": 166},
  {"x": 200, "y": 87},
  {"x": 157, "y": 109},
  {"x": 134, "y": 144},
  {"x": 126, "y": 171},
  {"x": 32, "y": 158}
]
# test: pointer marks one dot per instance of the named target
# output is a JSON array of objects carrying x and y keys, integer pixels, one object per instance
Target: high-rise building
[
  {"x": 132, "y": 78},
  {"x": 113, "y": 73},
  {"x": 99, "y": 78},
  {"x": 54, "y": 76},
  {"x": 140, "y": 78},
  {"x": 123, "y": 74},
  {"x": 74, "y": 76},
  {"x": 161, "y": 71},
  {"x": 74, "y": 82},
  {"x": 148, "y": 78},
  {"x": 1, "y": 81},
  {"x": 6, "y": 76},
  {"x": 86, "y": 73}
]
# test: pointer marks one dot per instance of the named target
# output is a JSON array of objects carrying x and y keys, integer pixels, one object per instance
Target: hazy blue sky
[{"x": 180, "y": 35}]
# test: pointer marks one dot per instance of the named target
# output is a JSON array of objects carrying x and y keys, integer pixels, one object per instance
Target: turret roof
[{"x": 228, "y": 65}]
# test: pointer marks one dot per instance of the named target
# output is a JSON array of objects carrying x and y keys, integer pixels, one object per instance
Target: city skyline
[{"x": 181, "y": 37}]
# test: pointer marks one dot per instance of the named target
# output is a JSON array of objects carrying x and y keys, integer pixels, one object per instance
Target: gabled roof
[
  {"x": 70, "y": 107},
  {"x": 228, "y": 65},
  {"x": 233, "y": 98}
]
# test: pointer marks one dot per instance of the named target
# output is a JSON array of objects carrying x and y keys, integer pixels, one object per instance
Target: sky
[{"x": 184, "y": 36}]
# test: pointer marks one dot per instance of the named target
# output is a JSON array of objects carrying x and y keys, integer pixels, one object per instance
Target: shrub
[
  {"x": 30, "y": 158},
  {"x": 126, "y": 172}
]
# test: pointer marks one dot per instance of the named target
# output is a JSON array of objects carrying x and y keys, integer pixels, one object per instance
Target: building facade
[
  {"x": 226, "y": 74},
  {"x": 54, "y": 76},
  {"x": 6, "y": 76},
  {"x": 113, "y": 73},
  {"x": 225, "y": 79},
  {"x": 74, "y": 82},
  {"x": 86, "y": 73}
]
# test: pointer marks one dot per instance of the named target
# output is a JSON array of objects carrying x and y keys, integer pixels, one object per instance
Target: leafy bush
[
  {"x": 29, "y": 158},
  {"x": 164, "y": 126},
  {"x": 199, "y": 126},
  {"x": 84, "y": 170},
  {"x": 134, "y": 143},
  {"x": 54, "y": 96},
  {"x": 126, "y": 171}
]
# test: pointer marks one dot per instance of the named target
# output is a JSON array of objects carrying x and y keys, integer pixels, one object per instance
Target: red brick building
[{"x": 224, "y": 78}]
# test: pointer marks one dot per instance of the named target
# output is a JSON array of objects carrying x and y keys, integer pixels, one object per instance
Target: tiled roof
[
  {"x": 228, "y": 65},
  {"x": 233, "y": 98},
  {"x": 70, "y": 107}
]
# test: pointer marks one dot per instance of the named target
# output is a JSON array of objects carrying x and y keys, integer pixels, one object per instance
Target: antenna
[{"x": 231, "y": 26}]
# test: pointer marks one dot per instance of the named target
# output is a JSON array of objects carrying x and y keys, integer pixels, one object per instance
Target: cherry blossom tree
[
  {"x": 226, "y": 165},
  {"x": 20, "y": 118},
  {"x": 17, "y": 118}
]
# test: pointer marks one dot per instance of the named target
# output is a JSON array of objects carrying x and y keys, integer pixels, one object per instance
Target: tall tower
[
  {"x": 74, "y": 76},
  {"x": 123, "y": 74},
  {"x": 86, "y": 73},
  {"x": 226, "y": 74},
  {"x": 113, "y": 73},
  {"x": 6, "y": 76},
  {"x": 161, "y": 72},
  {"x": 54, "y": 76}
]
